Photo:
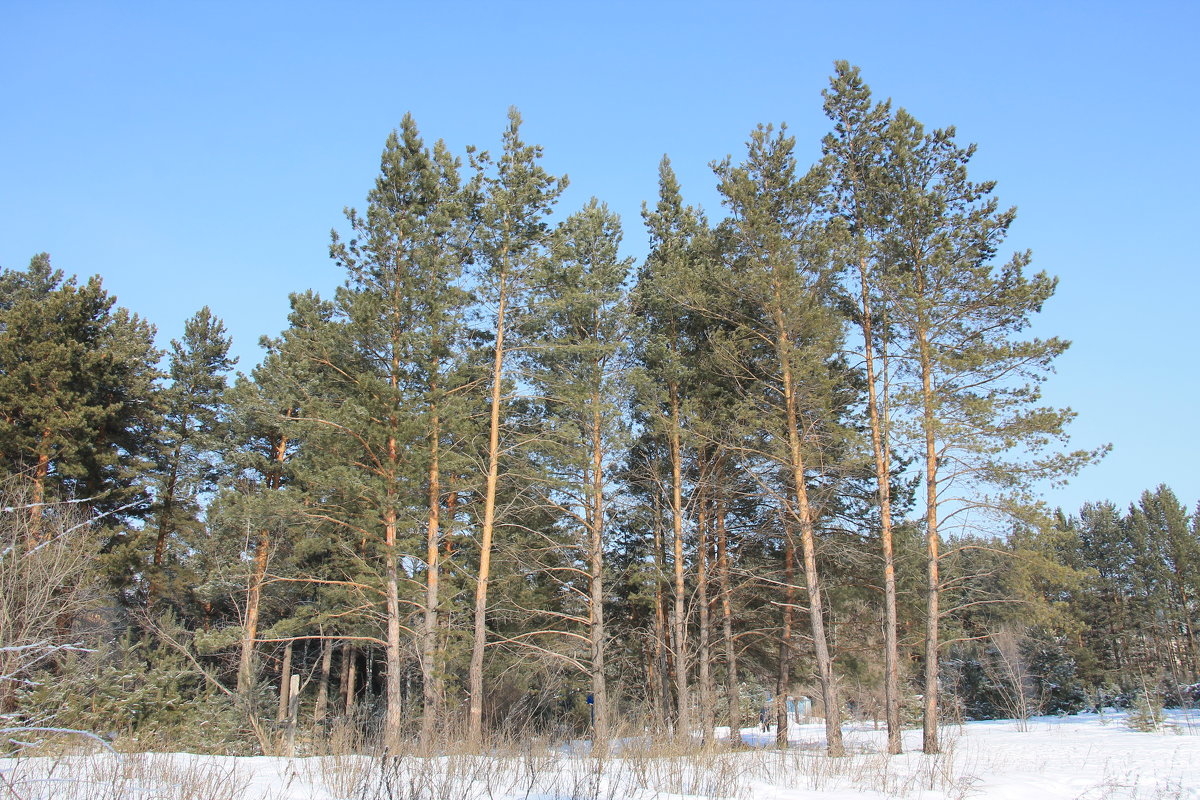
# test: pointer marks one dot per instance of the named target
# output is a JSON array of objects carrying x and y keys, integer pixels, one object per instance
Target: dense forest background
[{"x": 507, "y": 481}]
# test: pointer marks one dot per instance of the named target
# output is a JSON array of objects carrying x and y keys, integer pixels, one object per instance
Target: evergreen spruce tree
[
  {"x": 1099, "y": 543},
  {"x": 1166, "y": 552}
]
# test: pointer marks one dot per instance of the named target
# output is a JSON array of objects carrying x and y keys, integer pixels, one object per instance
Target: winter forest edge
[{"x": 508, "y": 483}]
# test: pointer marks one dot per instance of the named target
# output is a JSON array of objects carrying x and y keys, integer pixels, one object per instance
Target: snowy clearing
[{"x": 1087, "y": 757}]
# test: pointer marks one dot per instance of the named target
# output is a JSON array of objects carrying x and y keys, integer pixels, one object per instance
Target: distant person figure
[{"x": 764, "y": 717}]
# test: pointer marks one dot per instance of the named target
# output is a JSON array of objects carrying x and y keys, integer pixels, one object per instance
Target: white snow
[{"x": 1085, "y": 757}]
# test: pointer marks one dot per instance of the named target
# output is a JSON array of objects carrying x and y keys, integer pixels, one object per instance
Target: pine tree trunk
[
  {"x": 253, "y": 601},
  {"x": 392, "y": 720},
  {"x": 783, "y": 677},
  {"x": 40, "y": 474},
  {"x": 258, "y": 573},
  {"x": 704, "y": 655},
  {"x": 679, "y": 618},
  {"x": 349, "y": 670},
  {"x": 803, "y": 515},
  {"x": 166, "y": 519},
  {"x": 732, "y": 686},
  {"x": 661, "y": 691},
  {"x": 431, "y": 699},
  {"x": 596, "y": 568},
  {"x": 285, "y": 681},
  {"x": 479, "y": 641},
  {"x": 322, "y": 706},
  {"x": 879, "y": 444},
  {"x": 650, "y": 680},
  {"x": 932, "y": 615}
]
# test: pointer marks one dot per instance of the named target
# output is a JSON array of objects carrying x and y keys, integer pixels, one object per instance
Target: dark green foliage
[
  {"x": 188, "y": 458},
  {"x": 994, "y": 680},
  {"x": 1055, "y": 677},
  {"x": 77, "y": 412},
  {"x": 1139, "y": 609},
  {"x": 141, "y": 691}
]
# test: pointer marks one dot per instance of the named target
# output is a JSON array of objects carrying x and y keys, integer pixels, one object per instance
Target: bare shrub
[{"x": 45, "y": 587}]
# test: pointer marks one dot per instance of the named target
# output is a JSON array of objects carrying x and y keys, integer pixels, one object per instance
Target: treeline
[{"x": 507, "y": 478}]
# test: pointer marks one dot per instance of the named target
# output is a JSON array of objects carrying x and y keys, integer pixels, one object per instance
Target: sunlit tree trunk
[
  {"x": 802, "y": 512},
  {"x": 596, "y": 568},
  {"x": 431, "y": 684},
  {"x": 479, "y": 640},
  {"x": 704, "y": 650},
  {"x": 258, "y": 573},
  {"x": 932, "y": 542},
  {"x": 679, "y": 617}
]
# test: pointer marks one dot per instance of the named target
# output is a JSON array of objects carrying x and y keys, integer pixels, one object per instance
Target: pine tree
[
  {"x": 406, "y": 261},
  {"x": 397, "y": 313},
  {"x": 972, "y": 383},
  {"x": 664, "y": 341},
  {"x": 517, "y": 195},
  {"x": 1099, "y": 543},
  {"x": 780, "y": 271},
  {"x": 854, "y": 154},
  {"x": 262, "y": 442},
  {"x": 194, "y": 413},
  {"x": 77, "y": 408},
  {"x": 578, "y": 325},
  {"x": 1166, "y": 552}
]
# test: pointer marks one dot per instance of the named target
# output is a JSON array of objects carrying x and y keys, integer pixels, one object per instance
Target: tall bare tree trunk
[
  {"x": 732, "y": 686},
  {"x": 596, "y": 569},
  {"x": 321, "y": 709},
  {"x": 431, "y": 694},
  {"x": 349, "y": 674},
  {"x": 285, "y": 682},
  {"x": 661, "y": 690},
  {"x": 258, "y": 573},
  {"x": 479, "y": 641},
  {"x": 783, "y": 677},
  {"x": 704, "y": 651},
  {"x": 394, "y": 687},
  {"x": 245, "y": 679},
  {"x": 880, "y": 445},
  {"x": 802, "y": 513},
  {"x": 932, "y": 614},
  {"x": 679, "y": 618}
]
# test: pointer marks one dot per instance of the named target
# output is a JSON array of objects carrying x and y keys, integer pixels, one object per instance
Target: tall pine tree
[{"x": 511, "y": 234}]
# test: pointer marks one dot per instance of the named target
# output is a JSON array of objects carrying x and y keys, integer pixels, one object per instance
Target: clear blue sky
[{"x": 199, "y": 153}]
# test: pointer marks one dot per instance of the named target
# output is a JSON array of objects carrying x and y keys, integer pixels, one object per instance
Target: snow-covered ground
[{"x": 1087, "y": 757}]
